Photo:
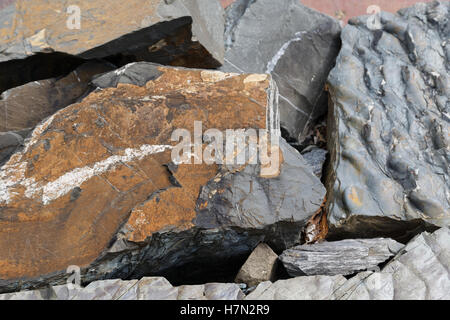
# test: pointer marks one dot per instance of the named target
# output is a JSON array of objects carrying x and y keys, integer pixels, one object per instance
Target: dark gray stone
[
  {"x": 297, "y": 45},
  {"x": 338, "y": 258},
  {"x": 389, "y": 120}
]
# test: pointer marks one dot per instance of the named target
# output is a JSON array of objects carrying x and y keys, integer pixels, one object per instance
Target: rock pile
[{"x": 174, "y": 150}]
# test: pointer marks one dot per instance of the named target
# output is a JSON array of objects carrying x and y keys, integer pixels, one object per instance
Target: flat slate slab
[{"x": 339, "y": 257}]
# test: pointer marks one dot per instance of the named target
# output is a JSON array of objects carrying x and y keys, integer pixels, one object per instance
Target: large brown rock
[
  {"x": 176, "y": 32},
  {"x": 96, "y": 186}
]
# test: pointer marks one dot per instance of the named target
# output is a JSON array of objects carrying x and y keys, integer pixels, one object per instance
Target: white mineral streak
[
  {"x": 273, "y": 62},
  {"x": 14, "y": 176}
]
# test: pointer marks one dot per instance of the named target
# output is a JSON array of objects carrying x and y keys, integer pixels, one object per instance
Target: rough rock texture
[
  {"x": 420, "y": 271},
  {"x": 95, "y": 185},
  {"x": 149, "y": 288},
  {"x": 260, "y": 266},
  {"x": 295, "y": 44},
  {"x": 175, "y": 32},
  {"x": 389, "y": 120},
  {"x": 338, "y": 258},
  {"x": 27, "y": 105}
]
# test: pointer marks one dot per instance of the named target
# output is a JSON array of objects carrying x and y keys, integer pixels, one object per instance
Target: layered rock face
[
  {"x": 389, "y": 121},
  {"x": 295, "y": 44},
  {"x": 178, "y": 32},
  {"x": 96, "y": 184}
]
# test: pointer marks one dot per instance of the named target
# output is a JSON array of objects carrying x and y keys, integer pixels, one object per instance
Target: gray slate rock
[
  {"x": 266, "y": 36},
  {"x": 259, "y": 267},
  {"x": 420, "y": 271},
  {"x": 339, "y": 257},
  {"x": 389, "y": 119}
]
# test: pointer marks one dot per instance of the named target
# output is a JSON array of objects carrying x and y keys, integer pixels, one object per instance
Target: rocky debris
[
  {"x": 149, "y": 288},
  {"x": 266, "y": 36},
  {"x": 10, "y": 142},
  {"x": 388, "y": 122},
  {"x": 27, "y": 105},
  {"x": 153, "y": 214},
  {"x": 338, "y": 258},
  {"x": 177, "y": 32},
  {"x": 300, "y": 288},
  {"x": 420, "y": 271},
  {"x": 259, "y": 267}
]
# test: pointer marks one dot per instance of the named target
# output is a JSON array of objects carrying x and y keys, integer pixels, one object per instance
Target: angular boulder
[
  {"x": 176, "y": 32},
  {"x": 97, "y": 185},
  {"x": 339, "y": 257},
  {"x": 27, "y": 105},
  {"x": 388, "y": 123},
  {"x": 259, "y": 267},
  {"x": 295, "y": 44},
  {"x": 420, "y": 271}
]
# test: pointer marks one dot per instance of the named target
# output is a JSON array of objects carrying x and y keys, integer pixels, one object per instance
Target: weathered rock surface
[
  {"x": 27, "y": 105},
  {"x": 259, "y": 267},
  {"x": 389, "y": 120},
  {"x": 95, "y": 186},
  {"x": 149, "y": 288},
  {"x": 295, "y": 44},
  {"x": 420, "y": 271},
  {"x": 176, "y": 32},
  {"x": 339, "y": 257}
]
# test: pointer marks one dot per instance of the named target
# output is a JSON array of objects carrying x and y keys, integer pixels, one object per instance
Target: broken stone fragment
[
  {"x": 420, "y": 271},
  {"x": 315, "y": 157},
  {"x": 388, "y": 122},
  {"x": 97, "y": 185},
  {"x": 176, "y": 32},
  {"x": 295, "y": 44},
  {"x": 27, "y": 105},
  {"x": 260, "y": 266},
  {"x": 339, "y": 257}
]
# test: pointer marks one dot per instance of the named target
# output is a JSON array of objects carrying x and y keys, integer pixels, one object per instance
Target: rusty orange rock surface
[{"x": 91, "y": 168}]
